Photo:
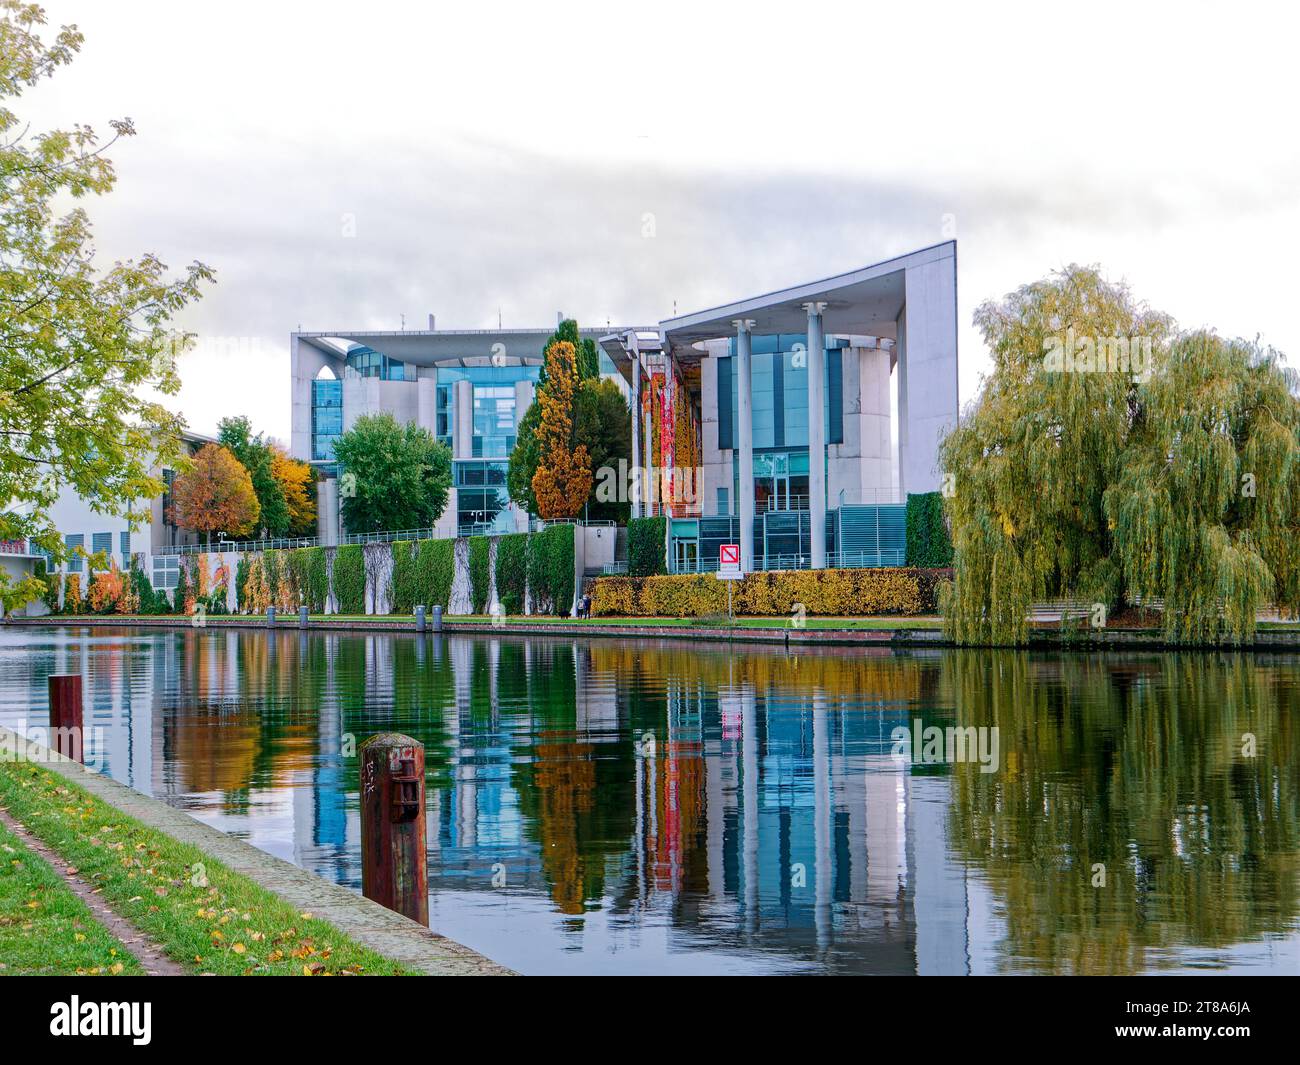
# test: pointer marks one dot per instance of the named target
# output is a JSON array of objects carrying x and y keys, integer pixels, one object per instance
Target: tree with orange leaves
[
  {"x": 215, "y": 495},
  {"x": 297, "y": 482},
  {"x": 563, "y": 479}
]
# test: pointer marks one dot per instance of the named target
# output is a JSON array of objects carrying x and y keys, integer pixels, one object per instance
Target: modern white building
[
  {"x": 721, "y": 428},
  {"x": 469, "y": 388}
]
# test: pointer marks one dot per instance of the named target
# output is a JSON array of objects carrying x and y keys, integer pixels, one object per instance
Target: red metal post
[
  {"x": 66, "y": 732},
  {"x": 394, "y": 855}
]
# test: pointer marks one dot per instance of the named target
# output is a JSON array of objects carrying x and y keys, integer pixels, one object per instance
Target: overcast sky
[{"x": 502, "y": 158}]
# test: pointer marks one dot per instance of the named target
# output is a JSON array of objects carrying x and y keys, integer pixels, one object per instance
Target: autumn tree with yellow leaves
[{"x": 564, "y": 479}]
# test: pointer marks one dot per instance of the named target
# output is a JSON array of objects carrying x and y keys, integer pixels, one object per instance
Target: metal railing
[{"x": 290, "y": 543}]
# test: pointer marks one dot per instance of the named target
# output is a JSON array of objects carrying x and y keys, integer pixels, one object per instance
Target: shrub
[
  {"x": 550, "y": 569},
  {"x": 512, "y": 572},
  {"x": 106, "y": 590},
  {"x": 928, "y": 542},
  {"x": 180, "y": 597},
  {"x": 645, "y": 546},
  {"x": 72, "y": 594},
  {"x": 480, "y": 553},
  {"x": 52, "y": 581},
  {"x": 272, "y": 569},
  {"x": 435, "y": 565},
  {"x": 350, "y": 579},
  {"x": 241, "y": 581},
  {"x": 316, "y": 590},
  {"x": 824, "y": 593},
  {"x": 405, "y": 590}
]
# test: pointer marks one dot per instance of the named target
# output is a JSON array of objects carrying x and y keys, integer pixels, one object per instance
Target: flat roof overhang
[
  {"x": 424, "y": 347},
  {"x": 866, "y": 302}
]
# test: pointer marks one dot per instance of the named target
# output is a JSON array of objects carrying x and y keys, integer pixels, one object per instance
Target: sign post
[{"x": 729, "y": 570}]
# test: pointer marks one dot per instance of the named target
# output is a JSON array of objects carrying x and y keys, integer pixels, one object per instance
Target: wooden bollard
[
  {"x": 66, "y": 730},
  {"x": 394, "y": 854}
]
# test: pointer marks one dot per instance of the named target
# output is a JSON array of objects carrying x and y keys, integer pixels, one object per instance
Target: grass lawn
[
  {"x": 207, "y": 918},
  {"x": 740, "y": 622},
  {"x": 45, "y": 930}
]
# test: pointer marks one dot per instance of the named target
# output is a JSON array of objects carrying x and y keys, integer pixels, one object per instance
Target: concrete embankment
[
  {"x": 365, "y": 922},
  {"x": 1047, "y": 639}
]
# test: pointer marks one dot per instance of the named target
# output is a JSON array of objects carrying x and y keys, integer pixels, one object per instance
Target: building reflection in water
[{"x": 660, "y": 806}]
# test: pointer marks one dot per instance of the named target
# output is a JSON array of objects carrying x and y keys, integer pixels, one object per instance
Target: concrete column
[
  {"x": 745, "y": 441},
  {"x": 463, "y": 433},
  {"x": 816, "y": 434},
  {"x": 635, "y": 394},
  {"x": 426, "y": 401}
]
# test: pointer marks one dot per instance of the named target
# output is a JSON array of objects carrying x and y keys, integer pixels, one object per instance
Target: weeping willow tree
[
  {"x": 1107, "y": 457},
  {"x": 1028, "y": 467},
  {"x": 1206, "y": 510}
]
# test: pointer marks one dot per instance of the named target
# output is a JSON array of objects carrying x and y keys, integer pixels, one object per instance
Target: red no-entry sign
[{"x": 729, "y": 561}]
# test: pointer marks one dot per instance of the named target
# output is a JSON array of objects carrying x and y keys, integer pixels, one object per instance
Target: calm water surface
[{"x": 668, "y": 808}]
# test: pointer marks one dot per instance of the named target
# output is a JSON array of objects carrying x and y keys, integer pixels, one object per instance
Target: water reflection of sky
[{"x": 603, "y": 808}]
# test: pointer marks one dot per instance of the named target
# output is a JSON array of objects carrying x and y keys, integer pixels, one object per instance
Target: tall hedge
[
  {"x": 406, "y": 591},
  {"x": 645, "y": 546},
  {"x": 480, "y": 554},
  {"x": 316, "y": 588},
  {"x": 550, "y": 568},
  {"x": 928, "y": 543},
  {"x": 512, "y": 571},
  {"x": 435, "y": 565},
  {"x": 823, "y": 593},
  {"x": 350, "y": 579}
]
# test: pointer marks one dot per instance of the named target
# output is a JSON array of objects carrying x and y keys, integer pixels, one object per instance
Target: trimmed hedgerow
[
  {"x": 928, "y": 543},
  {"x": 645, "y": 546},
  {"x": 350, "y": 579},
  {"x": 480, "y": 554},
  {"x": 550, "y": 569},
  {"x": 512, "y": 571},
  {"x": 435, "y": 565},
  {"x": 823, "y": 593},
  {"x": 315, "y": 590},
  {"x": 405, "y": 589}
]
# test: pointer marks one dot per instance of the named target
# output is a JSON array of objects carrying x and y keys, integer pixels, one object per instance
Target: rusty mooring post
[
  {"x": 66, "y": 731},
  {"x": 394, "y": 864}
]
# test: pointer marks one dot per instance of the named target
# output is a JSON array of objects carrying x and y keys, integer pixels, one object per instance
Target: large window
[
  {"x": 494, "y": 421},
  {"x": 482, "y": 503},
  {"x": 366, "y": 362},
  {"x": 74, "y": 560},
  {"x": 326, "y": 417},
  {"x": 166, "y": 572},
  {"x": 779, "y": 390}
]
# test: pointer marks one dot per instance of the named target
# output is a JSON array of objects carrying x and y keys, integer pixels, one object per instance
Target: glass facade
[
  {"x": 494, "y": 421},
  {"x": 326, "y": 417},
  {"x": 779, "y": 390},
  {"x": 481, "y": 498},
  {"x": 366, "y": 362}
]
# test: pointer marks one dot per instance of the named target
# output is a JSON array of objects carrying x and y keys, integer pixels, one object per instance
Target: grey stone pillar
[
  {"x": 816, "y": 434},
  {"x": 745, "y": 441}
]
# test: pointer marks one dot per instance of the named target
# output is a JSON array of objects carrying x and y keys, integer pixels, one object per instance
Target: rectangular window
[
  {"x": 326, "y": 417},
  {"x": 101, "y": 542},
  {"x": 166, "y": 572},
  {"x": 725, "y": 403},
  {"x": 74, "y": 561},
  {"x": 723, "y": 507},
  {"x": 124, "y": 538}
]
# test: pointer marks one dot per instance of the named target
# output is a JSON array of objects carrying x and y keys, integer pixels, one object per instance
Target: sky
[{"x": 341, "y": 166}]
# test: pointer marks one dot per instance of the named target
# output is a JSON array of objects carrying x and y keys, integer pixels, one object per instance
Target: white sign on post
[
  {"x": 729, "y": 563},
  {"x": 729, "y": 569}
]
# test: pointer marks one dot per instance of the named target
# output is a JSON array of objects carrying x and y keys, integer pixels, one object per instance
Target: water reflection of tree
[
  {"x": 575, "y": 789},
  {"x": 1136, "y": 763}
]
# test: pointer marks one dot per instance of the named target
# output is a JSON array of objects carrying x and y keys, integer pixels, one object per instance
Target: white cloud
[{"x": 504, "y": 157}]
